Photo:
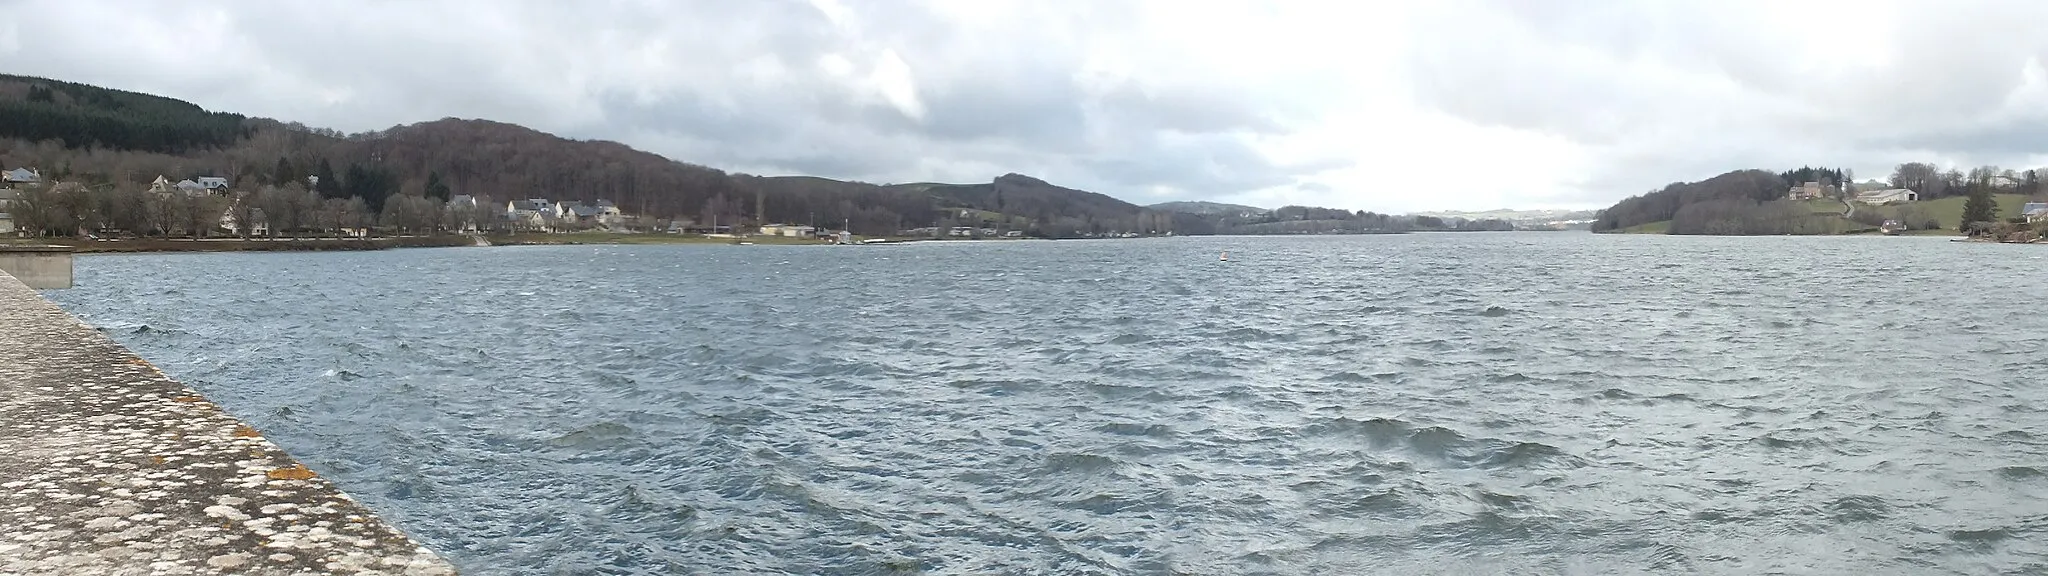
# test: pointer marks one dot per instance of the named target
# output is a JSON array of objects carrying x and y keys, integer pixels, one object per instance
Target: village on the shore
[{"x": 211, "y": 207}]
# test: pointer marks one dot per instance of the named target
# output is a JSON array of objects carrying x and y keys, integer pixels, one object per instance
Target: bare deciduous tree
[
  {"x": 1917, "y": 176},
  {"x": 356, "y": 215},
  {"x": 201, "y": 214},
  {"x": 161, "y": 211},
  {"x": 35, "y": 210},
  {"x": 243, "y": 208}
]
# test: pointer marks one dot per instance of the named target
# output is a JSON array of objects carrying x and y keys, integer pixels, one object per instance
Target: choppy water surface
[{"x": 1486, "y": 403}]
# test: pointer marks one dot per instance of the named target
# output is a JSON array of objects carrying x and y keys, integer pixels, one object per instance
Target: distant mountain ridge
[
  {"x": 119, "y": 139},
  {"x": 103, "y": 136},
  {"x": 1206, "y": 208},
  {"x": 1512, "y": 214}
]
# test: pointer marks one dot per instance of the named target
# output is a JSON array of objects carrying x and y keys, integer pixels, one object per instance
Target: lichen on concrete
[{"x": 107, "y": 466}]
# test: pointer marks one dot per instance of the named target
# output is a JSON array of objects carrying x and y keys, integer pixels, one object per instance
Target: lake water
[{"x": 1432, "y": 403}]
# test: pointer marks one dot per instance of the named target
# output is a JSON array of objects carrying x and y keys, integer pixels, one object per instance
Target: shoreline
[
  {"x": 114, "y": 467},
  {"x": 145, "y": 245},
  {"x": 230, "y": 244},
  {"x": 168, "y": 245}
]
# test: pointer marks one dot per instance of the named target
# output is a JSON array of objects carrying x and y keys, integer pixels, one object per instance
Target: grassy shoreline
[
  {"x": 610, "y": 238},
  {"x": 1946, "y": 212},
  {"x": 132, "y": 245},
  {"x": 138, "y": 245}
]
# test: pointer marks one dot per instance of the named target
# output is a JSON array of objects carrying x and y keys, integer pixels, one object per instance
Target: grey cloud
[
  {"x": 669, "y": 77},
  {"x": 1681, "y": 90},
  {"x": 1042, "y": 111},
  {"x": 1315, "y": 187},
  {"x": 1651, "y": 92},
  {"x": 1187, "y": 111},
  {"x": 1206, "y": 166},
  {"x": 2012, "y": 140}
]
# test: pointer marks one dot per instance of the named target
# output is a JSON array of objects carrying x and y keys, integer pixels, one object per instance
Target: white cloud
[{"x": 1390, "y": 106}]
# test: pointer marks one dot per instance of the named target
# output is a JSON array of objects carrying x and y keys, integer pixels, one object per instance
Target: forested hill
[
  {"x": 106, "y": 137},
  {"x": 74, "y": 131},
  {"x": 1758, "y": 202},
  {"x": 1738, "y": 187},
  {"x": 37, "y": 109},
  {"x": 1207, "y": 208}
]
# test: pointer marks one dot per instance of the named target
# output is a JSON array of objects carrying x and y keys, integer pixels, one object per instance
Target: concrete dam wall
[{"x": 107, "y": 466}]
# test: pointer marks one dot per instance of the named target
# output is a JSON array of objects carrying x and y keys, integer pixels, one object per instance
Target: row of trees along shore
[
  {"x": 73, "y": 208},
  {"x": 1755, "y": 202}
]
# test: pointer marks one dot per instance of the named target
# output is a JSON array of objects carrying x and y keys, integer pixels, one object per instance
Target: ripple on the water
[{"x": 1516, "y": 403}]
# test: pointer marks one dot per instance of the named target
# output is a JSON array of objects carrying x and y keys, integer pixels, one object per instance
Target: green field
[
  {"x": 1949, "y": 211},
  {"x": 1946, "y": 211},
  {"x": 1824, "y": 206}
]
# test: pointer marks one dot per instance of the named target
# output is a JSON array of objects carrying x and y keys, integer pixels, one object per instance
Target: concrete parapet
[
  {"x": 107, "y": 466},
  {"x": 40, "y": 267}
]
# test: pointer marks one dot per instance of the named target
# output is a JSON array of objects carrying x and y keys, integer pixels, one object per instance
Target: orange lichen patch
[
  {"x": 298, "y": 472},
  {"x": 244, "y": 431},
  {"x": 188, "y": 399},
  {"x": 156, "y": 461},
  {"x": 138, "y": 361}
]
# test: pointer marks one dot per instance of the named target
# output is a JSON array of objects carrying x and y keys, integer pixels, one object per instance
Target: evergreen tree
[
  {"x": 436, "y": 188},
  {"x": 1979, "y": 207},
  {"x": 371, "y": 184},
  {"x": 98, "y": 117},
  {"x": 329, "y": 186},
  {"x": 284, "y": 174}
]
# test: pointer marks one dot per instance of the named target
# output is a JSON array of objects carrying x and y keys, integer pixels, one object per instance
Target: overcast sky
[{"x": 1388, "y": 106}]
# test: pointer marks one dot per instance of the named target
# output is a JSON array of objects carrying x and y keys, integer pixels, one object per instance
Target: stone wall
[
  {"x": 110, "y": 467},
  {"x": 41, "y": 268}
]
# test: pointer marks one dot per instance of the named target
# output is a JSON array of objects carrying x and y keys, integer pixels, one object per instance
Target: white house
[
  {"x": 1887, "y": 196},
  {"x": 259, "y": 225},
  {"x": 464, "y": 208},
  {"x": 787, "y": 230},
  {"x": 213, "y": 184},
  {"x": 600, "y": 215},
  {"x": 20, "y": 176},
  {"x": 531, "y": 213},
  {"x": 541, "y": 206},
  {"x": 2035, "y": 211}
]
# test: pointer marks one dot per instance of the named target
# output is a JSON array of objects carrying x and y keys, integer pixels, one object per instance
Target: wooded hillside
[
  {"x": 101, "y": 137},
  {"x": 80, "y": 115},
  {"x": 1741, "y": 186},
  {"x": 1755, "y": 202}
]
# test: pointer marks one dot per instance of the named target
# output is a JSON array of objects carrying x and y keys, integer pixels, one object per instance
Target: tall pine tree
[
  {"x": 1979, "y": 207},
  {"x": 284, "y": 173},
  {"x": 436, "y": 188},
  {"x": 328, "y": 186}
]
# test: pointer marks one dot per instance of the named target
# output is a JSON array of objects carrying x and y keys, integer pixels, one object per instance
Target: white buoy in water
[{"x": 1225, "y": 257}]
